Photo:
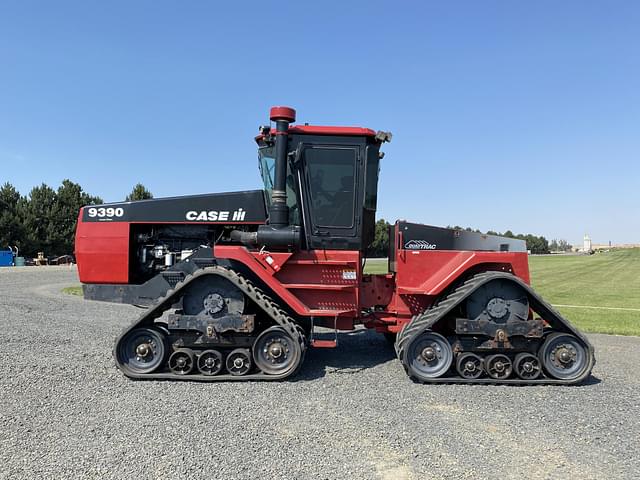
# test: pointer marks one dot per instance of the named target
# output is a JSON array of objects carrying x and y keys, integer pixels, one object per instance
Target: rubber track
[
  {"x": 271, "y": 308},
  {"x": 423, "y": 322}
]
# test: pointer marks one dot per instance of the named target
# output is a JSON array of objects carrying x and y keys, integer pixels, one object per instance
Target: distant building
[{"x": 588, "y": 245}]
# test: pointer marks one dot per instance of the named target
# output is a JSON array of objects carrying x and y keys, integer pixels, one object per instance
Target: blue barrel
[
  {"x": 6, "y": 258},
  {"x": 19, "y": 261}
]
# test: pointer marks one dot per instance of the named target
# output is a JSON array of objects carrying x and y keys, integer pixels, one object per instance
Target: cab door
[{"x": 332, "y": 195}]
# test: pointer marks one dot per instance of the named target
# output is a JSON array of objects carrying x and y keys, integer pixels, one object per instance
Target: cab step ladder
[{"x": 322, "y": 341}]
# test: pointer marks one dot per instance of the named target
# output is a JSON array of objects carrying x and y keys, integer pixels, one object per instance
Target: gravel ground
[{"x": 66, "y": 412}]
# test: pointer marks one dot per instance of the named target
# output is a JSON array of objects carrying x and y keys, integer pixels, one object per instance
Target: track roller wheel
[
  {"x": 210, "y": 362},
  {"x": 429, "y": 356},
  {"x": 276, "y": 352},
  {"x": 498, "y": 366},
  {"x": 469, "y": 365},
  {"x": 239, "y": 361},
  {"x": 181, "y": 362},
  {"x": 527, "y": 366},
  {"x": 142, "y": 350},
  {"x": 563, "y": 356}
]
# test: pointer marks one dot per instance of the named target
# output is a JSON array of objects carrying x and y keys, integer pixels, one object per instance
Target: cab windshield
[{"x": 267, "y": 164}]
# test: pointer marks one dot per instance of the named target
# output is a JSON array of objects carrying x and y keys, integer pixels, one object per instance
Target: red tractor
[{"x": 235, "y": 284}]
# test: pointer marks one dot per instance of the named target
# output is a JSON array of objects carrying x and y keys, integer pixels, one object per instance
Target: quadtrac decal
[{"x": 419, "y": 245}]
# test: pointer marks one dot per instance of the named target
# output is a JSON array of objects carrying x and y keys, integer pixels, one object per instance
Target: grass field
[
  {"x": 376, "y": 265},
  {"x": 609, "y": 281},
  {"x": 597, "y": 293}
]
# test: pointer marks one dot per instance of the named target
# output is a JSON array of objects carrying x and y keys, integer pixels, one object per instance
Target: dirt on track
[{"x": 67, "y": 412}]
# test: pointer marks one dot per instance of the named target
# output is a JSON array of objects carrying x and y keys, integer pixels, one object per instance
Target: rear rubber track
[
  {"x": 423, "y": 322},
  {"x": 263, "y": 301}
]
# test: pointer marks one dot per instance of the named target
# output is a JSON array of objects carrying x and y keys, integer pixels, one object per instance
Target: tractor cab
[{"x": 329, "y": 181}]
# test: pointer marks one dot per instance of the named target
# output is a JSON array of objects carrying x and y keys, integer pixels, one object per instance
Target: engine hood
[{"x": 227, "y": 208}]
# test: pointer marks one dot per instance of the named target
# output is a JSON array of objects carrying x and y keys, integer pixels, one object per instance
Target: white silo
[{"x": 586, "y": 244}]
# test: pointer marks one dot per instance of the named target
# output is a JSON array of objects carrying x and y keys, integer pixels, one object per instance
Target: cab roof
[{"x": 327, "y": 130}]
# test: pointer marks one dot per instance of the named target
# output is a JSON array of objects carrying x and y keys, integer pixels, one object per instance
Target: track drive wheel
[
  {"x": 429, "y": 356},
  {"x": 142, "y": 350},
  {"x": 469, "y": 365},
  {"x": 181, "y": 362},
  {"x": 239, "y": 361},
  {"x": 527, "y": 366},
  {"x": 210, "y": 362},
  {"x": 276, "y": 352},
  {"x": 499, "y": 301},
  {"x": 498, "y": 366},
  {"x": 563, "y": 356}
]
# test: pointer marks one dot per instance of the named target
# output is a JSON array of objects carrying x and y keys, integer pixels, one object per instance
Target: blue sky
[{"x": 506, "y": 115}]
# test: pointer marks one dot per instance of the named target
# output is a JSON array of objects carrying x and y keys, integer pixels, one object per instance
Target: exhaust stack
[
  {"x": 278, "y": 233},
  {"x": 279, "y": 211}
]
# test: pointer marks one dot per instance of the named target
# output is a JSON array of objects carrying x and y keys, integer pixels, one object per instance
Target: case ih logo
[
  {"x": 419, "y": 245},
  {"x": 215, "y": 215}
]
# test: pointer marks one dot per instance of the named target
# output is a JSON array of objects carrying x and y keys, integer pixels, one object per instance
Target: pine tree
[
  {"x": 37, "y": 212},
  {"x": 11, "y": 231},
  {"x": 139, "y": 192},
  {"x": 380, "y": 245},
  {"x": 69, "y": 199}
]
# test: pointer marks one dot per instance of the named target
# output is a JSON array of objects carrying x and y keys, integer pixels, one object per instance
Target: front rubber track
[{"x": 272, "y": 309}]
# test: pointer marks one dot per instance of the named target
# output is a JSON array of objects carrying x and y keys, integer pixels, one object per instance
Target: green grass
[
  {"x": 75, "y": 290},
  {"x": 609, "y": 279},
  {"x": 376, "y": 265}
]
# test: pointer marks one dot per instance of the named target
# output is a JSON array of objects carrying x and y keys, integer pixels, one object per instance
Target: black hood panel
[{"x": 232, "y": 207}]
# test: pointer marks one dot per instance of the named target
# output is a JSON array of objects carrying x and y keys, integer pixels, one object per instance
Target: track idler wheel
[
  {"x": 527, "y": 366},
  {"x": 181, "y": 362},
  {"x": 498, "y": 366},
  {"x": 429, "y": 356},
  {"x": 563, "y": 356},
  {"x": 469, "y": 365},
  {"x": 239, "y": 361},
  {"x": 142, "y": 350},
  {"x": 276, "y": 352},
  {"x": 210, "y": 362}
]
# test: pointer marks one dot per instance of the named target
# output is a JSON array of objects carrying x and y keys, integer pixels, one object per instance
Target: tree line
[
  {"x": 45, "y": 219},
  {"x": 535, "y": 243},
  {"x": 560, "y": 245}
]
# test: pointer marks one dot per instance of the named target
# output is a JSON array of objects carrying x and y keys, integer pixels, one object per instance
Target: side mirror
[{"x": 383, "y": 136}]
